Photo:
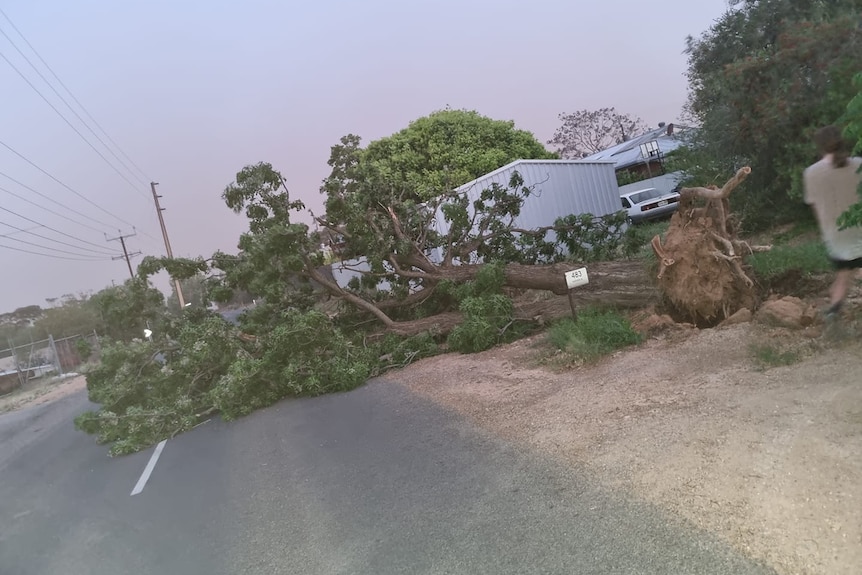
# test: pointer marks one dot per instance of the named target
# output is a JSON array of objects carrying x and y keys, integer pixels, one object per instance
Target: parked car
[{"x": 649, "y": 204}]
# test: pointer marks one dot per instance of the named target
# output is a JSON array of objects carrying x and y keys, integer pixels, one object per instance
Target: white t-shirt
[{"x": 830, "y": 191}]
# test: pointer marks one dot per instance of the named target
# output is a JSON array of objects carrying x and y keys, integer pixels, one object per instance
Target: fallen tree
[
  {"x": 701, "y": 267},
  {"x": 419, "y": 286},
  {"x": 392, "y": 240}
]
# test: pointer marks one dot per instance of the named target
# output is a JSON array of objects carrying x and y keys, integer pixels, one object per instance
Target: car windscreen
[{"x": 645, "y": 195}]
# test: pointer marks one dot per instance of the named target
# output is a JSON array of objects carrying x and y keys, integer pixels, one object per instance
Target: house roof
[{"x": 629, "y": 153}]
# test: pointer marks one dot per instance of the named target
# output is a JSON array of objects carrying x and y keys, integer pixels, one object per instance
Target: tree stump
[{"x": 701, "y": 269}]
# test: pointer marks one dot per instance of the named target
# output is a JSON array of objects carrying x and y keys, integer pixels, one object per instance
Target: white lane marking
[{"x": 148, "y": 470}]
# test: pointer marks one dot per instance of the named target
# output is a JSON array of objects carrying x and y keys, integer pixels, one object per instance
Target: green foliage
[
  {"x": 591, "y": 239},
  {"x": 84, "y": 349},
  {"x": 807, "y": 257},
  {"x": 484, "y": 320},
  {"x": 447, "y": 148},
  {"x": 125, "y": 310},
  {"x": 396, "y": 351},
  {"x": 487, "y": 312},
  {"x": 302, "y": 355},
  {"x": 594, "y": 334},
  {"x": 764, "y": 76},
  {"x": 195, "y": 293},
  {"x": 853, "y": 117},
  {"x": 149, "y": 391}
]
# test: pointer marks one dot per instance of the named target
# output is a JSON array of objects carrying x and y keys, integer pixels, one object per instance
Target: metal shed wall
[{"x": 560, "y": 188}]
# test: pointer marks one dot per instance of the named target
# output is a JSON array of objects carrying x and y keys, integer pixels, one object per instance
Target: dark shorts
[{"x": 847, "y": 264}]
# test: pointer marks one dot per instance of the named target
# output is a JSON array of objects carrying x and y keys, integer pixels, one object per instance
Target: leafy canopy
[
  {"x": 441, "y": 151},
  {"x": 761, "y": 80}
]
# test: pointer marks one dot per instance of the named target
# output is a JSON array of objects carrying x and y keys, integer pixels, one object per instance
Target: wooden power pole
[
  {"x": 159, "y": 210},
  {"x": 126, "y": 255}
]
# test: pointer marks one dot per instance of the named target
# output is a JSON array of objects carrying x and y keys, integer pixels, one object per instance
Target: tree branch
[
  {"x": 336, "y": 289},
  {"x": 716, "y": 194}
]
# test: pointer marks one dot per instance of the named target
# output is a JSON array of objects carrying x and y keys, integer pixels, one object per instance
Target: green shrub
[
  {"x": 84, "y": 349},
  {"x": 767, "y": 355},
  {"x": 488, "y": 318},
  {"x": 594, "y": 334},
  {"x": 484, "y": 320}
]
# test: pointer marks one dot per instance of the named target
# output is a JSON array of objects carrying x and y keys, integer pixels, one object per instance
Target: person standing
[{"x": 830, "y": 187}]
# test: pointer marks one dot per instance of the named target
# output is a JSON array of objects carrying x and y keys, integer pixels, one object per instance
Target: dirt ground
[
  {"x": 41, "y": 391},
  {"x": 768, "y": 459}
]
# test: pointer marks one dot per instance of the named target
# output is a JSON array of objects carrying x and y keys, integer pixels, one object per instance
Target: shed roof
[{"x": 511, "y": 165}]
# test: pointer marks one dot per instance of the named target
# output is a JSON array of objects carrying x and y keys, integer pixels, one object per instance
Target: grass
[
  {"x": 766, "y": 355},
  {"x": 808, "y": 257},
  {"x": 595, "y": 333}
]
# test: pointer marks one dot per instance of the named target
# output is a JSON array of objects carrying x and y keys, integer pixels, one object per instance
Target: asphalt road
[{"x": 375, "y": 481}]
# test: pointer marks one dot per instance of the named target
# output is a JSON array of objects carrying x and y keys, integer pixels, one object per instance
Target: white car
[{"x": 649, "y": 204}]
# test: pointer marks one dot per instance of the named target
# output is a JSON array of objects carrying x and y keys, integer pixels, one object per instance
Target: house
[{"x": 644, "y": 156}]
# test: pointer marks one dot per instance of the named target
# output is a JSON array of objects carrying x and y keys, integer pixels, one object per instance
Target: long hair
[{"x": 830, "y": 141}]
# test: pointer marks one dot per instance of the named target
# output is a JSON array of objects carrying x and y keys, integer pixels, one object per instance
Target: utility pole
[
  {"x": 126, "y": 255},
  {"x": 159, "y": 210}
]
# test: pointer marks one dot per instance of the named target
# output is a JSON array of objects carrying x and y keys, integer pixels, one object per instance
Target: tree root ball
[{"x": 701, "y": 268}]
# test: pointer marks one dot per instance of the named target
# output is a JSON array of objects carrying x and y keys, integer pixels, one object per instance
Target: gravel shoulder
[
  {"x": 768, "y": 460},
  {"x": 42, "y": 391}
]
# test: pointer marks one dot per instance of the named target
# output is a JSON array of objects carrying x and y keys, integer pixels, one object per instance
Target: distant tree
[
  {"x": 27, "y": 313},
  {"x": 74, "y": 316},
  {"x": 586, "y": 132}
]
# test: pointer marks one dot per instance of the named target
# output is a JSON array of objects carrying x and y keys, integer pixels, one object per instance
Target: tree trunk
[{"x": 618, "y": 284}]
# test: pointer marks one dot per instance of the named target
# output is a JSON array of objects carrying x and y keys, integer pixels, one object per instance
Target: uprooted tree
[
  {"x": 432, "y": 265},
  {"x": 701, "y": 270},
  {"x": 392, "y": 241}
]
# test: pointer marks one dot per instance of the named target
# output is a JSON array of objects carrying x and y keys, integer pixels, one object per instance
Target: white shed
[{"x": 560, "y": 188}]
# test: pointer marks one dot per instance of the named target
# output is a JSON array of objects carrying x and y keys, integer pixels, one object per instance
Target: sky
[{"x": 187, "y": 93}]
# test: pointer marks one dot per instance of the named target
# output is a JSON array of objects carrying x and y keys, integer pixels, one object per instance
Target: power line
[
  {"x": 71, "y": 109},
  {"x": 49, "y": 210},
  {"x": 53, "y": 249},
  {"x": 51, "y": 256},
  {"x": 50, "y": 239},
  {"x": 126, "y": 255},
  {"x": 74, "y": 191},
  {"x": 49, "y": 227},
  {"x": 68, "y": 91},
  {"x": 59, "y": 113}
]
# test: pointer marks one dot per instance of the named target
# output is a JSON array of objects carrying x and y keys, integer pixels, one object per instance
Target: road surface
[{"x": 376, "y": 481}]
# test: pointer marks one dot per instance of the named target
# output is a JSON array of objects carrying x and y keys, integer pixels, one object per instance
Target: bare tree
[{"x": 586, "y": 132}]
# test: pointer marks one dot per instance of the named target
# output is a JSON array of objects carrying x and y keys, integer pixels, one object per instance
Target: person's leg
[
  {"x": 838, "y": 291},
  {"x": 845, "y": 272}
]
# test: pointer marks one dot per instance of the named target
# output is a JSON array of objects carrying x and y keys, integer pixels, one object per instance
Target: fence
[{"x": 19, "y": 364}]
